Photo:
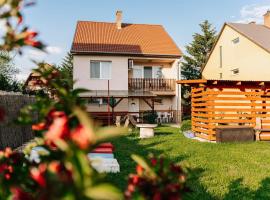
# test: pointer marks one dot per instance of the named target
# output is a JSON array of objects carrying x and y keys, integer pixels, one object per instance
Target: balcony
[{"x": 151, "y": 84}]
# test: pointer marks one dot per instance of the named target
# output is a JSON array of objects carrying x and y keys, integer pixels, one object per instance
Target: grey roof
[{"x": 258, "y": 33}]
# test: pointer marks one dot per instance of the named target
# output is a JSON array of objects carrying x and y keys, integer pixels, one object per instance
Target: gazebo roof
[{"x": 213, "y": 82}]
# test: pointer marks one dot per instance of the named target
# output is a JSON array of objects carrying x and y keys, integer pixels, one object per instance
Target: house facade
[
  {"x": 242, "y": 52},
  {"x": 136, "y": 65}
]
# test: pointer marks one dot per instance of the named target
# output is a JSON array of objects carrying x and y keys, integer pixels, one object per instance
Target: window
[
  {"x": 220, "y": 56},
  {"x": 157, "y": 72},
  {"x": 94, "y": 101},
  {"x": 236, "y": 40},
  {"x": 147, "y": 72},
  {"x": 100, "y": 69},
  {"x": 235, "y": 71},
  {"x": 100, "y": 101}
]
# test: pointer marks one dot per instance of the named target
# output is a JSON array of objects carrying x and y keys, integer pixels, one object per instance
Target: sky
[{"x": 56, "y": 20}]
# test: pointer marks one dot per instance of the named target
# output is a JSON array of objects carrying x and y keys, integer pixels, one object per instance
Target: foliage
[
  {"x": 66, "y": 134},
  {"x": 197, "y": 53},
  {"x": 66, "y": 68},
  {"x": 15, "y": 34},
  {"x": 150, "y": 117},
  {"x": 8, "y": 80},
  {"x": 185, "y": 125},
  {"x": 156, "y": 179}
]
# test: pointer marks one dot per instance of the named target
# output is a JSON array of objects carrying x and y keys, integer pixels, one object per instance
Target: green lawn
[{"x": 219, "y": 171}]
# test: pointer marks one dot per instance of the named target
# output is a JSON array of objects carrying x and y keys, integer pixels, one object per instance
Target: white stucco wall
[
  {"x": 119, "y": 81},
  {"x": 119, "y": 73},
  {"x": 252, "y": 61}
]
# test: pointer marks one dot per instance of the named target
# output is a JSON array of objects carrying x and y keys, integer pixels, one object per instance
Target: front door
[{"x": 134, "y": 105}]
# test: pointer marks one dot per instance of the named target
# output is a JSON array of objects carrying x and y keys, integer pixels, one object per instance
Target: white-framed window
[
  {"x": 100, "y": 69},
  {"x": 236, "y": 40},
  {"x": 235, "y": 71}
]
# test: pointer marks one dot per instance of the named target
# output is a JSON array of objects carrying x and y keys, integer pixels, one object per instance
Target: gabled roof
[
  {"x": 131, "y": 39},
  {"x": 257, "y": 33}
]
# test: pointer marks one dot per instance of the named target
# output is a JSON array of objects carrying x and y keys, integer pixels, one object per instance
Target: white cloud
[
  {"x": 53, "y": 50},
  {"x": 253, "y": 12},
  {"x": 52, "y": 55}
]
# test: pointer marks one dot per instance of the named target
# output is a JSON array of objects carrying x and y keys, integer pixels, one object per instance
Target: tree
[
  {"x": 8, "y": 73},
  {"x": 66, "y": 67},
  {"x": 197, "y": 53}
]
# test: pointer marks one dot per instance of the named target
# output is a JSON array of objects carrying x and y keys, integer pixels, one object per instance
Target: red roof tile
[{"x": 132, "y": 39}]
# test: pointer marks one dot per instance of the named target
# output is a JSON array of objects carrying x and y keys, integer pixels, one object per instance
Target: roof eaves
[
  {"x": 125, "y": 53},
  {"x": 246, "y": 36}
]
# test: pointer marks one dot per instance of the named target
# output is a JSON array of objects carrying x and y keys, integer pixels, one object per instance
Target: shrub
[
  {"x": 156, "y": 179},
  {"x": 150, "y": 117},
  {"x": 186, "y": 125}
]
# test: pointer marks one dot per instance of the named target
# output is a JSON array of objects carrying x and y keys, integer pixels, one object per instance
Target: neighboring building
[
  {"x": 242, "y": 52},
  {"x": 137, "y": 62}
]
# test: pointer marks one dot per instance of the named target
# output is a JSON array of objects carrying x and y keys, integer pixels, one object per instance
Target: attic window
[
  {"x": 235, "y": 71},
  {"x": 236, "y": 40}
]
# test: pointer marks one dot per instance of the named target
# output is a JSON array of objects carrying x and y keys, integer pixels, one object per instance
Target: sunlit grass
[{"x": 219, "y": 171}]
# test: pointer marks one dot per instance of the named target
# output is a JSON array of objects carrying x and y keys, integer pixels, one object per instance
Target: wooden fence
[
  {"x": 11, "y": 134},
  {"x": 229, "y": 103}
]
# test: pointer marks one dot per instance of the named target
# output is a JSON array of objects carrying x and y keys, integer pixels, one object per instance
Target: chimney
[
  {"x": 267, "y": 19},
  {"x": 119, "y": 19}
]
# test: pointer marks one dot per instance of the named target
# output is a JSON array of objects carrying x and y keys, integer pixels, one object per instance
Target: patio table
[{"x": 146, "y": 130}]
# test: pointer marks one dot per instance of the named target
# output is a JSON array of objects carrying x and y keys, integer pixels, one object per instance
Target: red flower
[
  {"x": 33, "y": 43},
  {"x": 7, "y": 176},
  {"x": 19, "y": 194},
  {"x": 38, "y": 175},
  {"x": 39, "y": 127},
  {"x": 139, "y": 169},
  {"x": 55, "y": 167},
  {"x": 7, "y": 152},
  {"x": 154, "y": 161},
  {"x": 20, "y": 19},
  {"x": 81, "y": 137},
  {"x": 58, "y": 129},
  {"x": 135, "y": 179}
]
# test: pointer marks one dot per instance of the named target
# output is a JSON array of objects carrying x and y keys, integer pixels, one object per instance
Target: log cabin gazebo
[{"x": 224, "y": 103}]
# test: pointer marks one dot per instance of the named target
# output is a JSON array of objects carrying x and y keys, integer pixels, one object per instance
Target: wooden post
[{"x": 108, "y": 103}]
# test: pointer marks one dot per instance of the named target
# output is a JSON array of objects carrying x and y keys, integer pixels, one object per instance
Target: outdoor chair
[
  {"x": 118, "y": 121},
  {"x": 132, "y": 120}
]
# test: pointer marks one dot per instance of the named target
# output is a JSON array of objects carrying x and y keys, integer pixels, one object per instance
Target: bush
[
  {"x": 150, "y": 117},
  {"x": 186, "y": 125}
]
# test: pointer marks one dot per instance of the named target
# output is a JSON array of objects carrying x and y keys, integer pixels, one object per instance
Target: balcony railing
[{"x": 151, "y": 84}]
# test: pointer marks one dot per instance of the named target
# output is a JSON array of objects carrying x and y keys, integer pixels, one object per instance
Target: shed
[{"x": 224, "y": 103}]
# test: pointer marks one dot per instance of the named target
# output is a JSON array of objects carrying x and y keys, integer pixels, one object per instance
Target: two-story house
[
  {"x": 135, "y": 64},
  {"x": 242, "y": 52}
]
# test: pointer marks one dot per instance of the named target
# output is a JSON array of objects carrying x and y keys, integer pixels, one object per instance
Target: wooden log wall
[{"x": 212, "y": 107}]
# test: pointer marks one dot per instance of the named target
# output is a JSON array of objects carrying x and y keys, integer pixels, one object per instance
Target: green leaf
[
  {"x": 139, "y": 160},
  {"x": 109, "y": 132},
  {"x": 104, "y": 191},
  {"x": 86, "y": 122}
]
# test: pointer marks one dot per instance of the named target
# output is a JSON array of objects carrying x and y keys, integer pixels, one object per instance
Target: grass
[{"x": 218, "y": 171}]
